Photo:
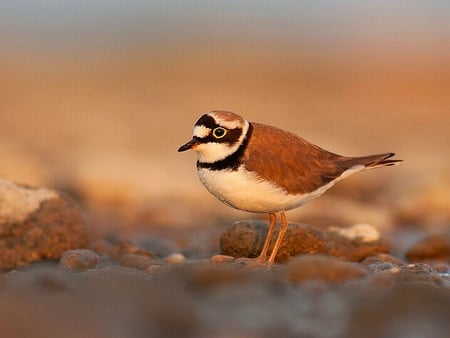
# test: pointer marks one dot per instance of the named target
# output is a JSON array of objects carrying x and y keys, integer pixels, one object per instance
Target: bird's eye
[{"x": 219, "y": 132}]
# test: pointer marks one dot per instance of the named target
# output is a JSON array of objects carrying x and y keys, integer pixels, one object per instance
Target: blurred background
[{"x": 96, "y": 96}]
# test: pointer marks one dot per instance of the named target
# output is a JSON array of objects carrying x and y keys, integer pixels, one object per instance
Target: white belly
[{"x": 243, "y": 190}]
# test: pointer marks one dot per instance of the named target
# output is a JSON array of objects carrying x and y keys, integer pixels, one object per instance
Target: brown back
[{"x": 288, "y": 161}]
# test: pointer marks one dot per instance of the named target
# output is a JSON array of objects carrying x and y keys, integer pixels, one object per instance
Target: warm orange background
[{"x": 95, "y": 101}]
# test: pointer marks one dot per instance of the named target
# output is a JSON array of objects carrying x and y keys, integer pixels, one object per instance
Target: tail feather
[{"x": 370, "y": 162}]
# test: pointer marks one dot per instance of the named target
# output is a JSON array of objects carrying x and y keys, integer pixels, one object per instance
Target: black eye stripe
[{"x": 230, "y": 138}]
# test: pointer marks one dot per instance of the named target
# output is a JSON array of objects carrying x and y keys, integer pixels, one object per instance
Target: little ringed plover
[{"x": 262, "y": 169}]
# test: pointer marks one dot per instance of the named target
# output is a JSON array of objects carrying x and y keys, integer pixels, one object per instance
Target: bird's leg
[
  {"x": 283, "y": 228},
  {"x": 272, "y": 221}
]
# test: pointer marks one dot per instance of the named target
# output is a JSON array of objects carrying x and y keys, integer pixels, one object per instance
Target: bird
[{"x": 263, "y": 169}]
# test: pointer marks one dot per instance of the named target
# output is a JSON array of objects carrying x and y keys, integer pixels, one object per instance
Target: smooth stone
[
  {"x": 383, "y": 258},
  {"x": 434, "y": 247},
  {"x": 37, "y": 223},
  {"x": 219, "y": 259},
  {"x": 246, "y": 239},
  {"x": 175, "y": 258},
  {"x": 357, "y": 242},
  {"x": 419, "y": 273},
  {"x": 126, "y": 247},
  {"x": 136, "y": 261},
  {"x": 324, "y": 268},
  {"x": 79, "y": 260}
]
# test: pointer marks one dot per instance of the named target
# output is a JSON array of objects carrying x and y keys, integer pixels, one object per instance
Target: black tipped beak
[{"x": 188, "y": 145}]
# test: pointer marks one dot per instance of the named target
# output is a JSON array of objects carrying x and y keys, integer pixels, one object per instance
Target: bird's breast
[{"x": 244, "y": 190}]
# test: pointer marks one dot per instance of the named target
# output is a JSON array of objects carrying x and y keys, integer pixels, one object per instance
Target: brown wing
[{"x": 289, "y": 161}]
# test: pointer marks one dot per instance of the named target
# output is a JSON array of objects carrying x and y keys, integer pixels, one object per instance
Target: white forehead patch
[{"x": 201, "y": 131}]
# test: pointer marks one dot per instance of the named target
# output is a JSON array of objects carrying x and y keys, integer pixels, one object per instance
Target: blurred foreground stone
[
  {"x": 401, "y": 312},
  {"x": 202, "y": 299},
  {"x": 37, "y": 223},
  {"x": 322, "y": 268},
  {"x": 246, "y": 239}
]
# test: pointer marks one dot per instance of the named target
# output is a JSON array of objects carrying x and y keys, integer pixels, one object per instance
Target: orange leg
[
  {"x": 283, "y": 228},
  {"x": 263, "y": 255}
]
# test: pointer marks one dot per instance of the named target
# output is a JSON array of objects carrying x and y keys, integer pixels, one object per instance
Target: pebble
[
  {"x": 79, "y": 260},
  {"x": 136, "y": 261},
  {"x": 435, "y": 247},
  {"x": 324, "y": 268},
  {"x": 357, "y": 242},
  {"x": 419, "y": 273},
  {"x": 383, "y": 258},
  {"x": 219, "y": 259},
  {"x": 246, "y": 239},
  {"x": 37, "y": 223},
  {"x": 126, "y": 247},
  {"x": 175, "y": 258}
]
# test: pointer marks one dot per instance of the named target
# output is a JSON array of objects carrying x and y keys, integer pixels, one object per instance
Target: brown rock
[
  {"x": 384, "y": 258},
  {"x": 435, "y": 247},
  {"x": 441, "y": 267},
  {"x": 37, "y": 223},
  {"x": 126, "y": 247},
  {"x": 357, "y": 242},
  {"x": 79, "y": 260},
  {"x": 324, "y": 268},
  {"x": 246, "y": 239},
  {"x": 137, "y": 261},
  {"x": 419, "y": 273}
]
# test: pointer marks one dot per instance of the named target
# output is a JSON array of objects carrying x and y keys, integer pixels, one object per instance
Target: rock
[
  {"x": 246, "y": 239},
  {"x": 126, "y": 247},
  {"x": 79, "y": 260},
  {"x": 175, "y": 258},
  {"x": 324, "y": 268},
  {"x": 383, "y": 258},
  {"x": 389, "y": 275},
  {"x": 434, "y": 247},
  {"x": 419, "y": 273},
  {"x": 356, "y": 242},
  {"x": 440, "y": 267},
  {"x": 382, "y": 262},
  {"x": 207, "y": 277},
  {"x": 219, "y": 259},
  {"x": 37, "y": 223},
  {"x": 137, "y": 261},
  {"x": 382, "y": 267}
]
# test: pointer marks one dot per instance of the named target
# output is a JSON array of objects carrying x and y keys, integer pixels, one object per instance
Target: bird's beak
[{"x": 190, "y": 145}]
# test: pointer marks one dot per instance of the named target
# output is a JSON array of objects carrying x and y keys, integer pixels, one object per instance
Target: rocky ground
[{"x": 62, "y": 279}]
